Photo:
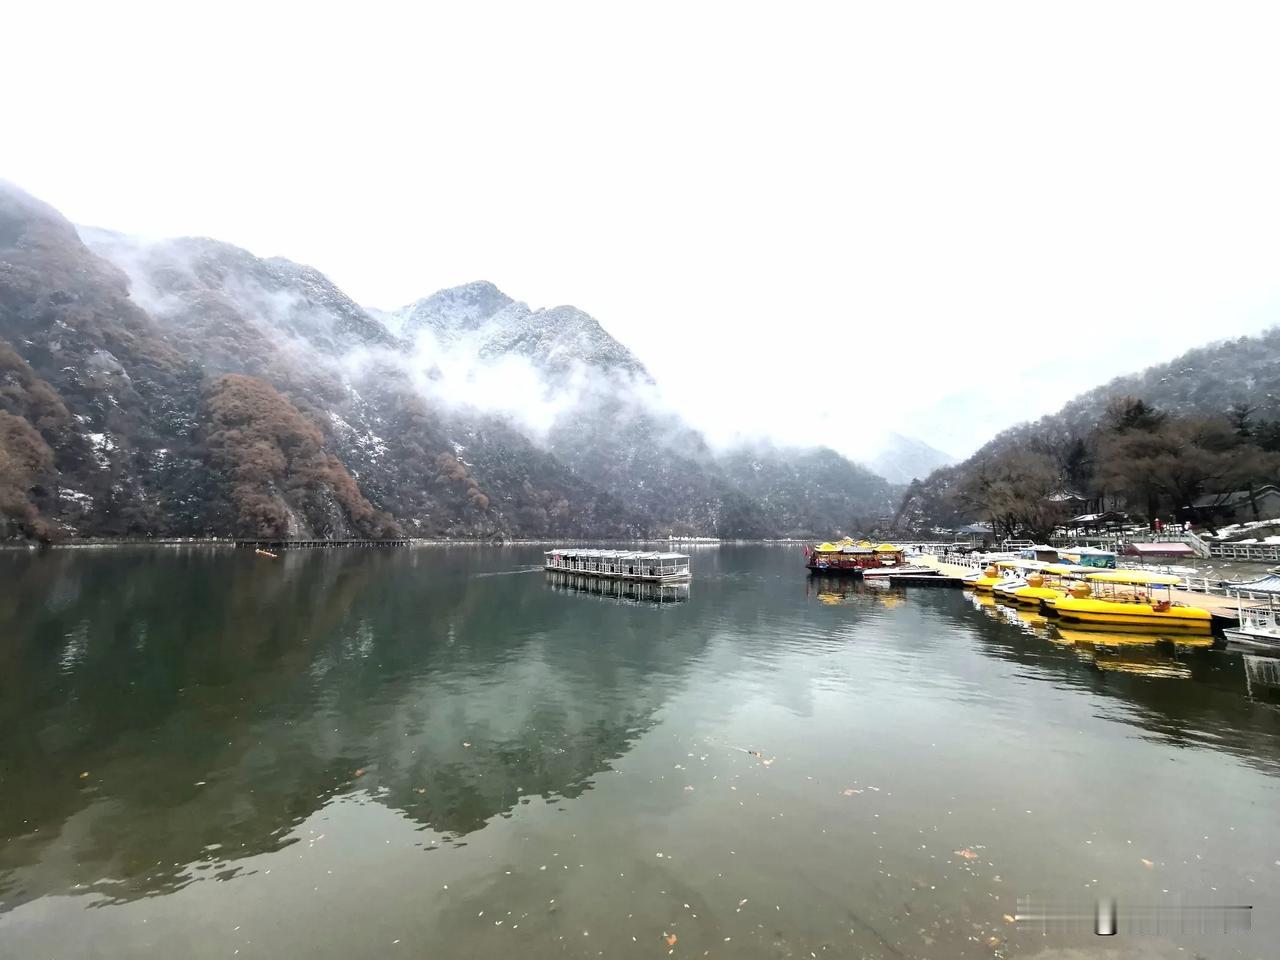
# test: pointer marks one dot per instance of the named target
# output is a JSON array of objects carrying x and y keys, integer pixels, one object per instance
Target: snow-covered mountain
[
  {"x": 188, "y": 387},
  {"x": 491, "y": 324},
  {"x": 904, "y": 459}
]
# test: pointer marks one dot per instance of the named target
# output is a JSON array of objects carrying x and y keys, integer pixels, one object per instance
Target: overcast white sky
[{"x": 999, "y": 203}]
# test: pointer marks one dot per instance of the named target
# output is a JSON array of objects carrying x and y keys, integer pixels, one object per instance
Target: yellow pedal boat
[
  {"x": 1104, "y": 600},
  {"x": 984, "y": 583},
  {"x": 1051, "y": 582},
  {"x": 1014, "y": 574}
]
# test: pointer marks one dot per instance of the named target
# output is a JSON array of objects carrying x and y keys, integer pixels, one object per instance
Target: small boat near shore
[
  {"x": 1014, "y": 577},
  {"x": 881, "y": 573},
  {"x": 984, "y": 581},
  {"x": 1050, "y": 582},
  {"x": 1129, "y": 598},
  {"x": 1259, "y": 627},
  {"x": 862, "y": 560}
]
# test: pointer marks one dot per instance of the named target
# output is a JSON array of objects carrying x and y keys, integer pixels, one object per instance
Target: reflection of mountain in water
[
  {"x": 216, "y": 700},
  {"x": 632, "y": 591},
  {"x": 1148, "y": 681}
]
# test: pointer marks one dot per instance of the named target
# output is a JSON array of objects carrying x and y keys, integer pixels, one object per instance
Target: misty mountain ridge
[
  {"x": 1207, "y": 382},
  {"x": 493, "y": 325},
  {"x": 187, "y": 387},
  {"x": 904, "y": 459}
]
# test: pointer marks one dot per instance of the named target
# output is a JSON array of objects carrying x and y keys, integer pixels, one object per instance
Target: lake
[{"x": 442, "y": 752}]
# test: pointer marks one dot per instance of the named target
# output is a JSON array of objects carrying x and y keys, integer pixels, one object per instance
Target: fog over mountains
[{"x": 187, "y": 387}]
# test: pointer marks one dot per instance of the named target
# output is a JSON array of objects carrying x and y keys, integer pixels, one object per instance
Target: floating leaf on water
[
  {"x": 849, "y": 792},
  {"x": 1010, "y": 918},
  {"x": 671, "y": 939},
  {"x": 85, "y": 775},
  {"x": 359, "y": 773},
  {"x": 420, "y": 790},
  {"x": 967, "y": 854},
  {"x": 1147, "y": 863}
]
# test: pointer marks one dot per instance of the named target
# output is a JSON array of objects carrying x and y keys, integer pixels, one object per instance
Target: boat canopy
[
  {"x": 1268, "y": 584},
  {"x": 826, "y": 548},
  {"x": 1134, "y": 577},
  {"x": 614, "y": 555},
  {"x": 886, "y": 548},
  {"x": 1167, "y": 549},
  {"x": 1066, "y": 569}
]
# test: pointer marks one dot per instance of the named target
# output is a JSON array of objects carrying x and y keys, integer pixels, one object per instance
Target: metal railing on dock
[{"x": 1258, "y": 552}]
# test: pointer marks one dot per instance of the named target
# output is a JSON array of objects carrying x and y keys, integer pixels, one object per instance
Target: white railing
[
  {"x": 1106, "y": 542},
  {"x": 1265, "y": 552},
  {"x": 968, "y": 560},
  {"x": 1219, "y": 589},
  {"x": 1201, "y": 546},
  {"x": 1011, "y": 545}
]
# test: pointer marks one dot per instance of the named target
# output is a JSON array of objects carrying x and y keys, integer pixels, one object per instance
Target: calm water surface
[{"x": 442, "y": 753}]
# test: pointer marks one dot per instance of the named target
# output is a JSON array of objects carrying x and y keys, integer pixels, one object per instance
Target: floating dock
[{"x": 620, "y": 564}]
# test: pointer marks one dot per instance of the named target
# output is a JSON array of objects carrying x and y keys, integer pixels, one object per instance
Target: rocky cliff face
[{"x": 187, "y": 387}]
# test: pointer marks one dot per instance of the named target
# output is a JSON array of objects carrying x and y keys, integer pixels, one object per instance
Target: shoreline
[{"x": 233, "y": 542}]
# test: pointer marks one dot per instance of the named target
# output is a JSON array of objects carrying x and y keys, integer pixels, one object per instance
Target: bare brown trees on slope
[{"x": 281, "y": 481}]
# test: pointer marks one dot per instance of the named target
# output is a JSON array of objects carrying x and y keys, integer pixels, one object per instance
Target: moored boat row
[{"x": 1089, "y": 596}]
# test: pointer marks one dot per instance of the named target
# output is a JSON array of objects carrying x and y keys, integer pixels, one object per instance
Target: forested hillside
[
  {"x": 1150, "y": 444},
  {"x": 185, "y": 387}
]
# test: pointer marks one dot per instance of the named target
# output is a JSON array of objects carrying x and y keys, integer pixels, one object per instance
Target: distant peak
[
  {"x": 455, "y": 309},
  {"x": 477, "y": 288},
  {"x": 478, "y": 295},
  {"x": 904, "y": 458}
]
